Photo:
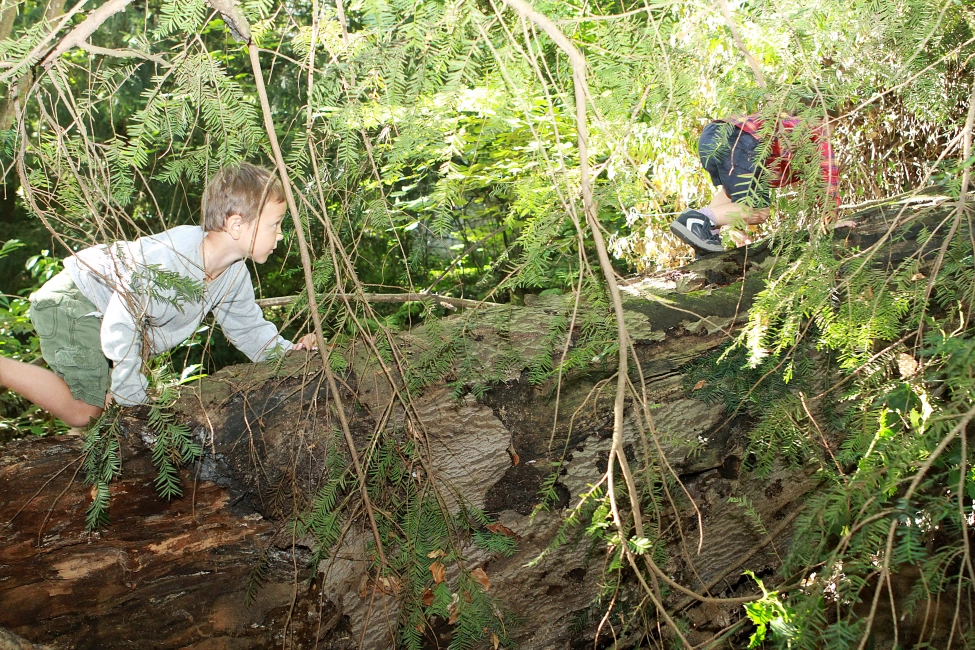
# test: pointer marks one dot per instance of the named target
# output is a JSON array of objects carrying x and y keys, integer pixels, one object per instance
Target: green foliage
[
  {"x": 174, "y": 447},
  {"x": 102, "y": 464},
  {"x": 753, "y": 516},
  {"x": 769, "y": 614},
  {"x": 18, "y": 341}
]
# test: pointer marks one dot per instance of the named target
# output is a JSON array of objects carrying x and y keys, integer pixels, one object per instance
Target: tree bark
[{"x": 175, "y": 575}]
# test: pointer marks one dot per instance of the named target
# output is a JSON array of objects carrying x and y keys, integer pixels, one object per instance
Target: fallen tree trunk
[{"x": 223, "y": 567}]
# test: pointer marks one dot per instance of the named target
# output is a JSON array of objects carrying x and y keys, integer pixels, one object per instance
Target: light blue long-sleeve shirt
[{"x": 152, "y": 295}]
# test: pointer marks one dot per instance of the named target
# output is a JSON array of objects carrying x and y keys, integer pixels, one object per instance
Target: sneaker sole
[{"x": 686, "y": 236}]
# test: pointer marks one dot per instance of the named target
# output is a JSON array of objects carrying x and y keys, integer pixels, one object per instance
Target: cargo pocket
[
  {"x": 85, "y": 371},
  {"x": 81, "y": 358},
  {"x": 43, "y": 316}
]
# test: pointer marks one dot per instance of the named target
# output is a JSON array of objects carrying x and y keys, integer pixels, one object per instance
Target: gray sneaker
[{"x": 694, "y": 228}]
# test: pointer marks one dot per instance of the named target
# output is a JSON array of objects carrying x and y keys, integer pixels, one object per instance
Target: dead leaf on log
[
  {"x": 439, "y": 572},
  {"x": 436, "y": 553},
  {"x": 454, "y": 610},
  {"x": 501, "y": 529},
  {"x": 482, "y": 579},
  {"x": 515, "y": 459},
  {"x": 495, "y": 641},
  {"x": 701, "y": 384},
  {"x": 427, "y": 597},
  {"x": 388, "y": 585}
]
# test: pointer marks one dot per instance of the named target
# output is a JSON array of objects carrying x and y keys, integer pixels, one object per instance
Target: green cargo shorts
[{"x": 69, "y": 327}]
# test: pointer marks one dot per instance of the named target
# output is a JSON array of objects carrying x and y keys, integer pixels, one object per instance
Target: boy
[
  {"x": 114, "y": 306},
  {"x": 729, "y": 152}
]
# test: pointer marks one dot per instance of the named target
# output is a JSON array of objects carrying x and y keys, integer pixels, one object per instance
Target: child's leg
[
  {"x": 726, "y": 212},
  {"x": 47, "y": 390},
  {"x": 69, "y": 329}
]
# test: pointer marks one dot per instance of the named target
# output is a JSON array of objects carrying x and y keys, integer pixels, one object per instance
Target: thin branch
[
  {"x": 805, "y": 407},
  {"x": 888, "y": 550},
  {"x": 959, "y": 210},
  {"x": 662, "y": 6},
  {"x": 460, "y": 257},
  {"x": 740, "y": 44},
  {"x": 125, "y": 53},
  {"x": 578, "y": 62},
  {"x": 309, "y": 281},
  {"x": 29, "y": 59},
  {"x": 388, "y": 298},
  {"x": 82, "y": 32}
]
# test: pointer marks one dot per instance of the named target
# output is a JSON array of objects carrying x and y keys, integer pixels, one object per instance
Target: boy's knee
[{"x": 82, "y": 415}]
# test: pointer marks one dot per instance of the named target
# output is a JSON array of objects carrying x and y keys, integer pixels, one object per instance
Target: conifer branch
[
  {"x": 310, "y": 285},
  {"x": 124, "y": 53}
]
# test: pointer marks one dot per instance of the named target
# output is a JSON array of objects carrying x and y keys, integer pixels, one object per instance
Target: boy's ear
[{"x": 234, "y": 225}]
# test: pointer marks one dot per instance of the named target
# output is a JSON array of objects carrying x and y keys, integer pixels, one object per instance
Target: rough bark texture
[{"x": 174, "y": 575}]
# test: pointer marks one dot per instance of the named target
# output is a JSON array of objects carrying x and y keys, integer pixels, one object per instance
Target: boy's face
[{"x": 265, "y": 233}]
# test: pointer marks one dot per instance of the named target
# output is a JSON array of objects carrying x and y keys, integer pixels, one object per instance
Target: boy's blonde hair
[{"x": 239, "y": 189}]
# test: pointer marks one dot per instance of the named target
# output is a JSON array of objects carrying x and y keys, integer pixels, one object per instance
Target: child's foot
[{"x": 694, "y": 228}]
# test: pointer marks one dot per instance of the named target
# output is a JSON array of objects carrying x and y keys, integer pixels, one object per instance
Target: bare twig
[
  {"x": 740, "y": 44},
  {"x": 389, "y": 298},
  {"x": 82, "y": 32},
  {"x": 805, "y": 407},
  {"x": 578, "y": 62},
  {"x": 31, "y": 57},
  {"x": 309, "y": 281},
  {"x": 124, "y": 53}
]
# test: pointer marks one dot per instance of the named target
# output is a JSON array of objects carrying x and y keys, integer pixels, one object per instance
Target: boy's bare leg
[
  {"x": 47, "y": 390},
  {"x": 726, "y": 211}
]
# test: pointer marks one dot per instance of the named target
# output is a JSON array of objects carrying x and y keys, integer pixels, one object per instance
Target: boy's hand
[
  {"x": 306, "y": 342},
  {"x": 108, "y": 400},
  {"x": 756, "y": 217}
]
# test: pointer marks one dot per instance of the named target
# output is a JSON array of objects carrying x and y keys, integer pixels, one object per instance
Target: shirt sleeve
[
  {"x": 243, "y": 321},
  {"x": 122, "y": 345}
]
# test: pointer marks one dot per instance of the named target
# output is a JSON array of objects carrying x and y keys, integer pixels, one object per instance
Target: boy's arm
[
  {"x": 122, "y": 345},
  {"x": 243, "y": 321}
]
